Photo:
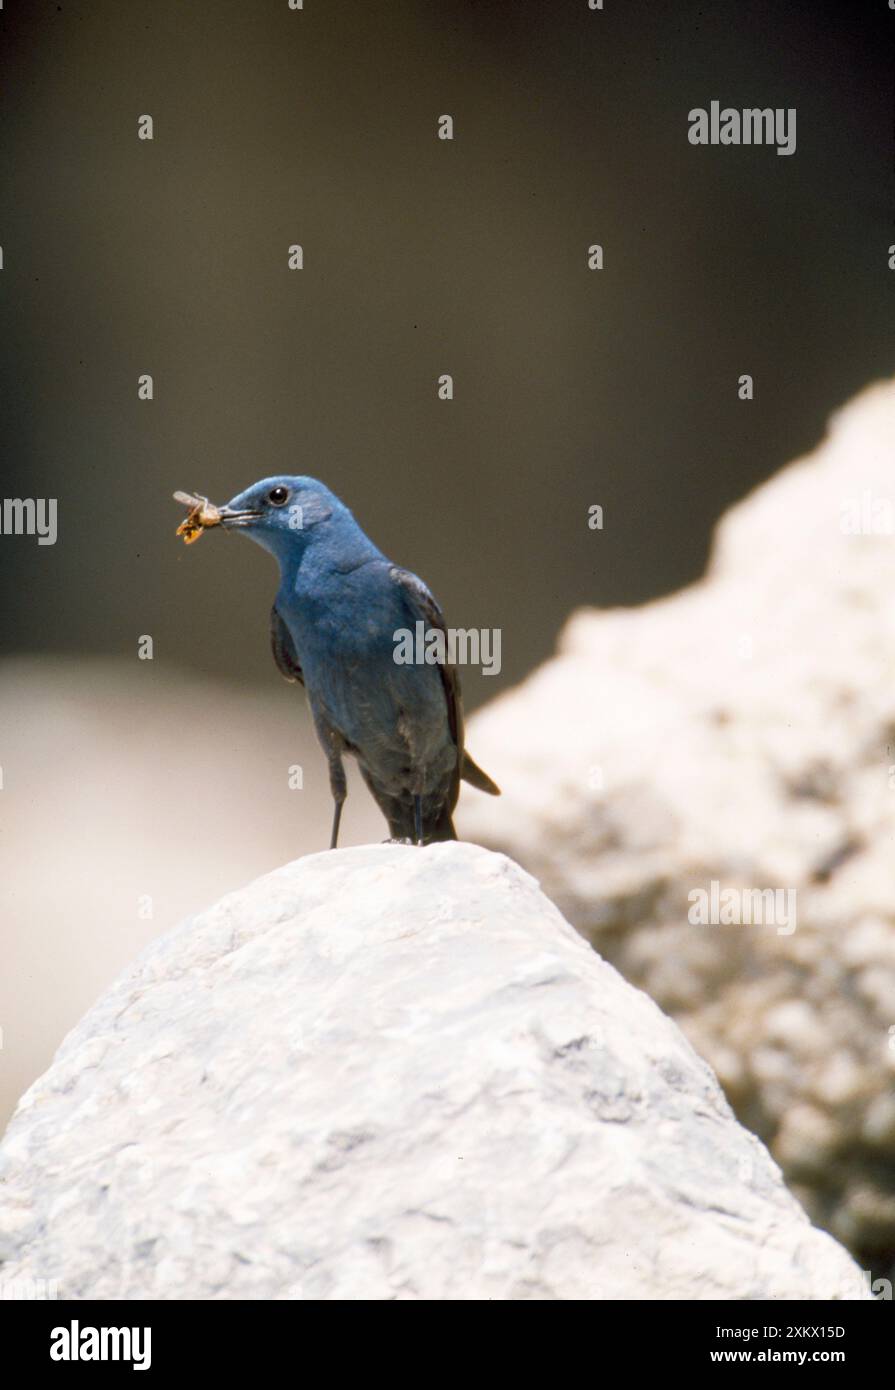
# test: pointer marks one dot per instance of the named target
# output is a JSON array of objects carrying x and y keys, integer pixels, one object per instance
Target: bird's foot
[{"x": 403, "y": 840}]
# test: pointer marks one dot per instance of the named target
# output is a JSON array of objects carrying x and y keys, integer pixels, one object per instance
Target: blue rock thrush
[{"x": 333, "y": 628}]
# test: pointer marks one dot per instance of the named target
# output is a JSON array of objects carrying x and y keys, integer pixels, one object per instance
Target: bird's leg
[
  {"x": 418, "y": 817},
  {"x": 339, "y": 787},
  {"x": 337, "y": 816}
]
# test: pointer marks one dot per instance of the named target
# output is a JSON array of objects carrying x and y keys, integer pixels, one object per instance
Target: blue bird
[{"x": 333, "y": 629}]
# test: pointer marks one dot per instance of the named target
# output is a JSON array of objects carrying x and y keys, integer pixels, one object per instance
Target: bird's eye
[{"x": 279, "y": 496}]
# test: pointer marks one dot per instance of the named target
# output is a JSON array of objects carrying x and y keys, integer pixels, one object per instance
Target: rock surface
[
  {"x": 392, "y": 1073},
  {"x": 743, "y": 731}
]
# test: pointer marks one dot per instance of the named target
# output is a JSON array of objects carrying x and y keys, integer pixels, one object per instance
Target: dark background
[{"x": 421, "y": 257}]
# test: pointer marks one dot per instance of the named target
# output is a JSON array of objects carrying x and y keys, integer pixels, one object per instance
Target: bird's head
[
  {"x": 287, "y": 516},
  {"x": 284, "y": 514}
]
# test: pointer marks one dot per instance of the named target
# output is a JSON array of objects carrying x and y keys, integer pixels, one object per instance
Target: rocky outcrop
[
  {"x": 391, "y": 1072},
  {"x": 742, "y": 734}
]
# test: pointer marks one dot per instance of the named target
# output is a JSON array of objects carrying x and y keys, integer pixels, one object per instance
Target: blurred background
[
  {"x": 572, "y": 387},
  {"x": 136, "y": 791}
]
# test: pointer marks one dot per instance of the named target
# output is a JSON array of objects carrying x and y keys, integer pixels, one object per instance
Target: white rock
[
  {"x": 741, "y": 731},
  {"x": 392, "y": 1073}
]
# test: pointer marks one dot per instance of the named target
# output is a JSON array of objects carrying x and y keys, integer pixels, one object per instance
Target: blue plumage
[{"x": 338, "y": 608}]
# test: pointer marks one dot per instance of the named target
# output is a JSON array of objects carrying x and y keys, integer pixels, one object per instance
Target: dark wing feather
[
  {"x": 423, "y": 605},
  {"x": 283, "y": 648}
]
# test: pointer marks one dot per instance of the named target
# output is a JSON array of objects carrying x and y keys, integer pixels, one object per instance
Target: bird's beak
[{"x": 236, "y": 516}]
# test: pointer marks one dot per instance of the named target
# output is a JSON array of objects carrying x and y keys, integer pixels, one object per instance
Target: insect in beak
[{"x": 202, "y": 514}]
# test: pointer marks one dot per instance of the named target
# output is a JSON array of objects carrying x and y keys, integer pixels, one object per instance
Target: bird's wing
[
  {"x": 283, "y": 648},
  {"x": 423, "y": 606}
]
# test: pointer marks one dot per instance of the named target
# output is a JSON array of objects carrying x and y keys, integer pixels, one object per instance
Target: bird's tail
[{"x": 474, "y": 775}]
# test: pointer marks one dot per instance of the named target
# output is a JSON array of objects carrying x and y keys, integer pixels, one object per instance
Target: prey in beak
[{"x": 203, "y": 514}]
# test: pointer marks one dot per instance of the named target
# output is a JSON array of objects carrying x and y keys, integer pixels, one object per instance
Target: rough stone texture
[
  {"x": 743, "y": 731},
  {"x": 392, "y": 1073}
]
